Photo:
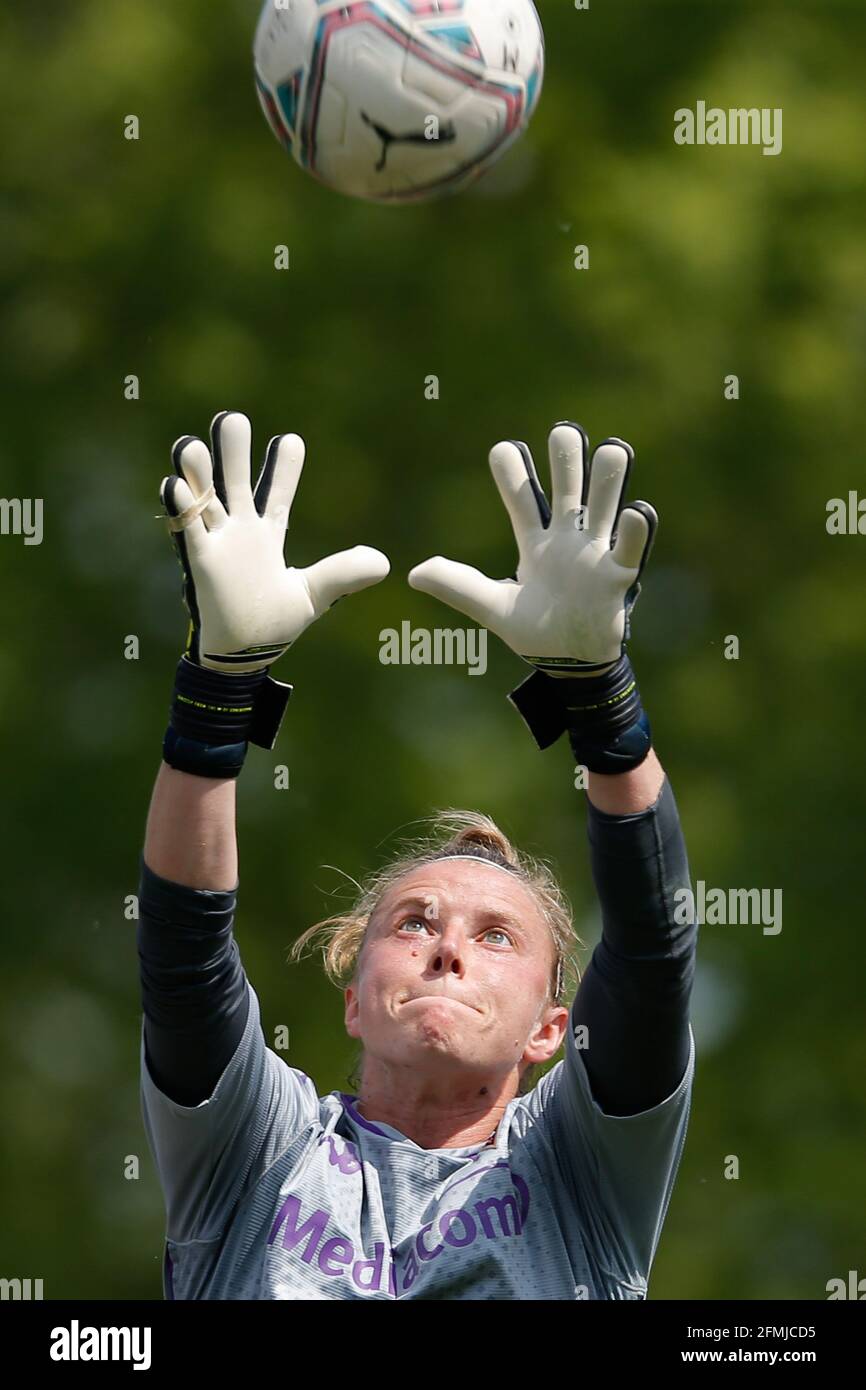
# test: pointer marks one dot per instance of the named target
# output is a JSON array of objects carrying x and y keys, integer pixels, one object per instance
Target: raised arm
[
  {"x": 246, "y": 608},
  {"x": 567, "y": 613},
  {"x": 190, "y": 837},
  {"x": 633, "y": 999},
  {"x": 625, "y": 793}
]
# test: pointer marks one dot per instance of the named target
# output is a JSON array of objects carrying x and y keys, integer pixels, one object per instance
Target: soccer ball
[{"x": 398, "y": 100}]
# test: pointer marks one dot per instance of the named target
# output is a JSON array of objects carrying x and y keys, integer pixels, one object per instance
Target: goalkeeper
[{"x": 453, "y": 1172}]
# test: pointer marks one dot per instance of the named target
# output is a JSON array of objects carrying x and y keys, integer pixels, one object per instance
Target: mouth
[{"x": 449, "y": 999}]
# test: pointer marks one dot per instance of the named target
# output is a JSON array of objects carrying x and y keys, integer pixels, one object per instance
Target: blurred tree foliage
[{"x": 155, "y": 258}]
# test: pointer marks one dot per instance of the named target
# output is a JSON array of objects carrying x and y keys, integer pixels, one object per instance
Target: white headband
[{"x": 494, "y": 863}]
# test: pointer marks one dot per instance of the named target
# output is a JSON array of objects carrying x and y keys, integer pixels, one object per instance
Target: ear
[
  {"x": 352, "y": 1011},
  {"x": 547, "y": 1036}
]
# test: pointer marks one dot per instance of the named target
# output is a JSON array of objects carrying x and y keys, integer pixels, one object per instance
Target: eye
[
  {"x": 498, "y": 931},
  {"x": 413, "y": 922}
]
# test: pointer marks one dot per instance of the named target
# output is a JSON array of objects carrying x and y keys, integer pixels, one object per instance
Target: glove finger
[
  {"x": 514, "y": 473},
  {"x": 608, "y": 477},
  {"x": 635, "y": 535},
  {"x": 344, "y": 573},
  {"x": 484, "y": 600},
  {"x": 278, "y": 480},
  {"x": 175, "y": 496},
  {"x": 231, "y": 439},
  {"x": 192, "y": 461},
  {"x": 569, "y": 448}
]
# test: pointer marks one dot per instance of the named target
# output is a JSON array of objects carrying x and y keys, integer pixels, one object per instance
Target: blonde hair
[{"x": 450, "y": 833}]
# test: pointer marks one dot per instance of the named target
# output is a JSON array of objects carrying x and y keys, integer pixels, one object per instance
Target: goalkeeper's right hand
[{"x": 246, "y": 605}]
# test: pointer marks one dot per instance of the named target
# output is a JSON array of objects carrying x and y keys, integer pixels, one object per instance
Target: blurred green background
[{"x": 156, "y": 258}]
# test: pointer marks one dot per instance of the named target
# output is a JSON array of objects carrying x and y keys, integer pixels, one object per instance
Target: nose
[{"x": 447, "y": 957}]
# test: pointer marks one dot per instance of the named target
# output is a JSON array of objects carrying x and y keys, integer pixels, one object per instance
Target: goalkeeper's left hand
[{"x": 567, "y": 610}]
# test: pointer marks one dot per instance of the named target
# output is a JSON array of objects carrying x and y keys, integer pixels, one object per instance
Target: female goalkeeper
[{"x": 449, "y": 1174}]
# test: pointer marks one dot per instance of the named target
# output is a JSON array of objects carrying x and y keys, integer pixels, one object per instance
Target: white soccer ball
[{"x": 398, "y": 100}]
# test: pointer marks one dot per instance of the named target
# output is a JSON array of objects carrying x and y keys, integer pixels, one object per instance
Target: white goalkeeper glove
[
  {"x": 567, "y": 610},
  {"x": 578, "y": 577},
  {"x": 246, "y": 606}
]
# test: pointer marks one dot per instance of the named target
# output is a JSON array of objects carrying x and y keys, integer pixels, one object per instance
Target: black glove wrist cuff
[
  {"x": 217, "y": 709},
  {"x": 223, "y": 760},
  {"x": 625, "y": 752},
  {"x": 601, "y": 707},
  {"x": 597, "y": 711}
]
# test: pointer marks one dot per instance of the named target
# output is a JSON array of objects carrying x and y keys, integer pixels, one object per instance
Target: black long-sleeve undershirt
[
  {"x": 635, "y": 991},
  {"x": 633, "y": 997},
  {"x": 193, "y": 986}
]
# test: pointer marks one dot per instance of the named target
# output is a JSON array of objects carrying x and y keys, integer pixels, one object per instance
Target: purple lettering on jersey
[
  {"x": 421, "y": 1248},
  {"x": 501, "y": 1205},
  {"x": 523, "y": 1193},
  {"x": 470, "y": 1229},
  {"x": 409, "y": 1271},
  {"x": 375, "y": 1267},
  {"x": 347, "y": 1160},
  {"x": 314, "y": 1226},
  {"x": 497, "y": 1216},
  {"x": 336, "y": 1250}
]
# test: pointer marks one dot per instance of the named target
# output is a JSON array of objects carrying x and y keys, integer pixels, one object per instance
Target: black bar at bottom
[{"x": 80, "y": 1338}]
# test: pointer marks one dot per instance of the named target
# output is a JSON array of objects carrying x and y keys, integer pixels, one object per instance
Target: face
[{"x": 454, "y": 973}]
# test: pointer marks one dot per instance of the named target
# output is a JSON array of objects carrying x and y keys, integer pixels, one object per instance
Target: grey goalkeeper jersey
[{"x": 275, "y": 1192}]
